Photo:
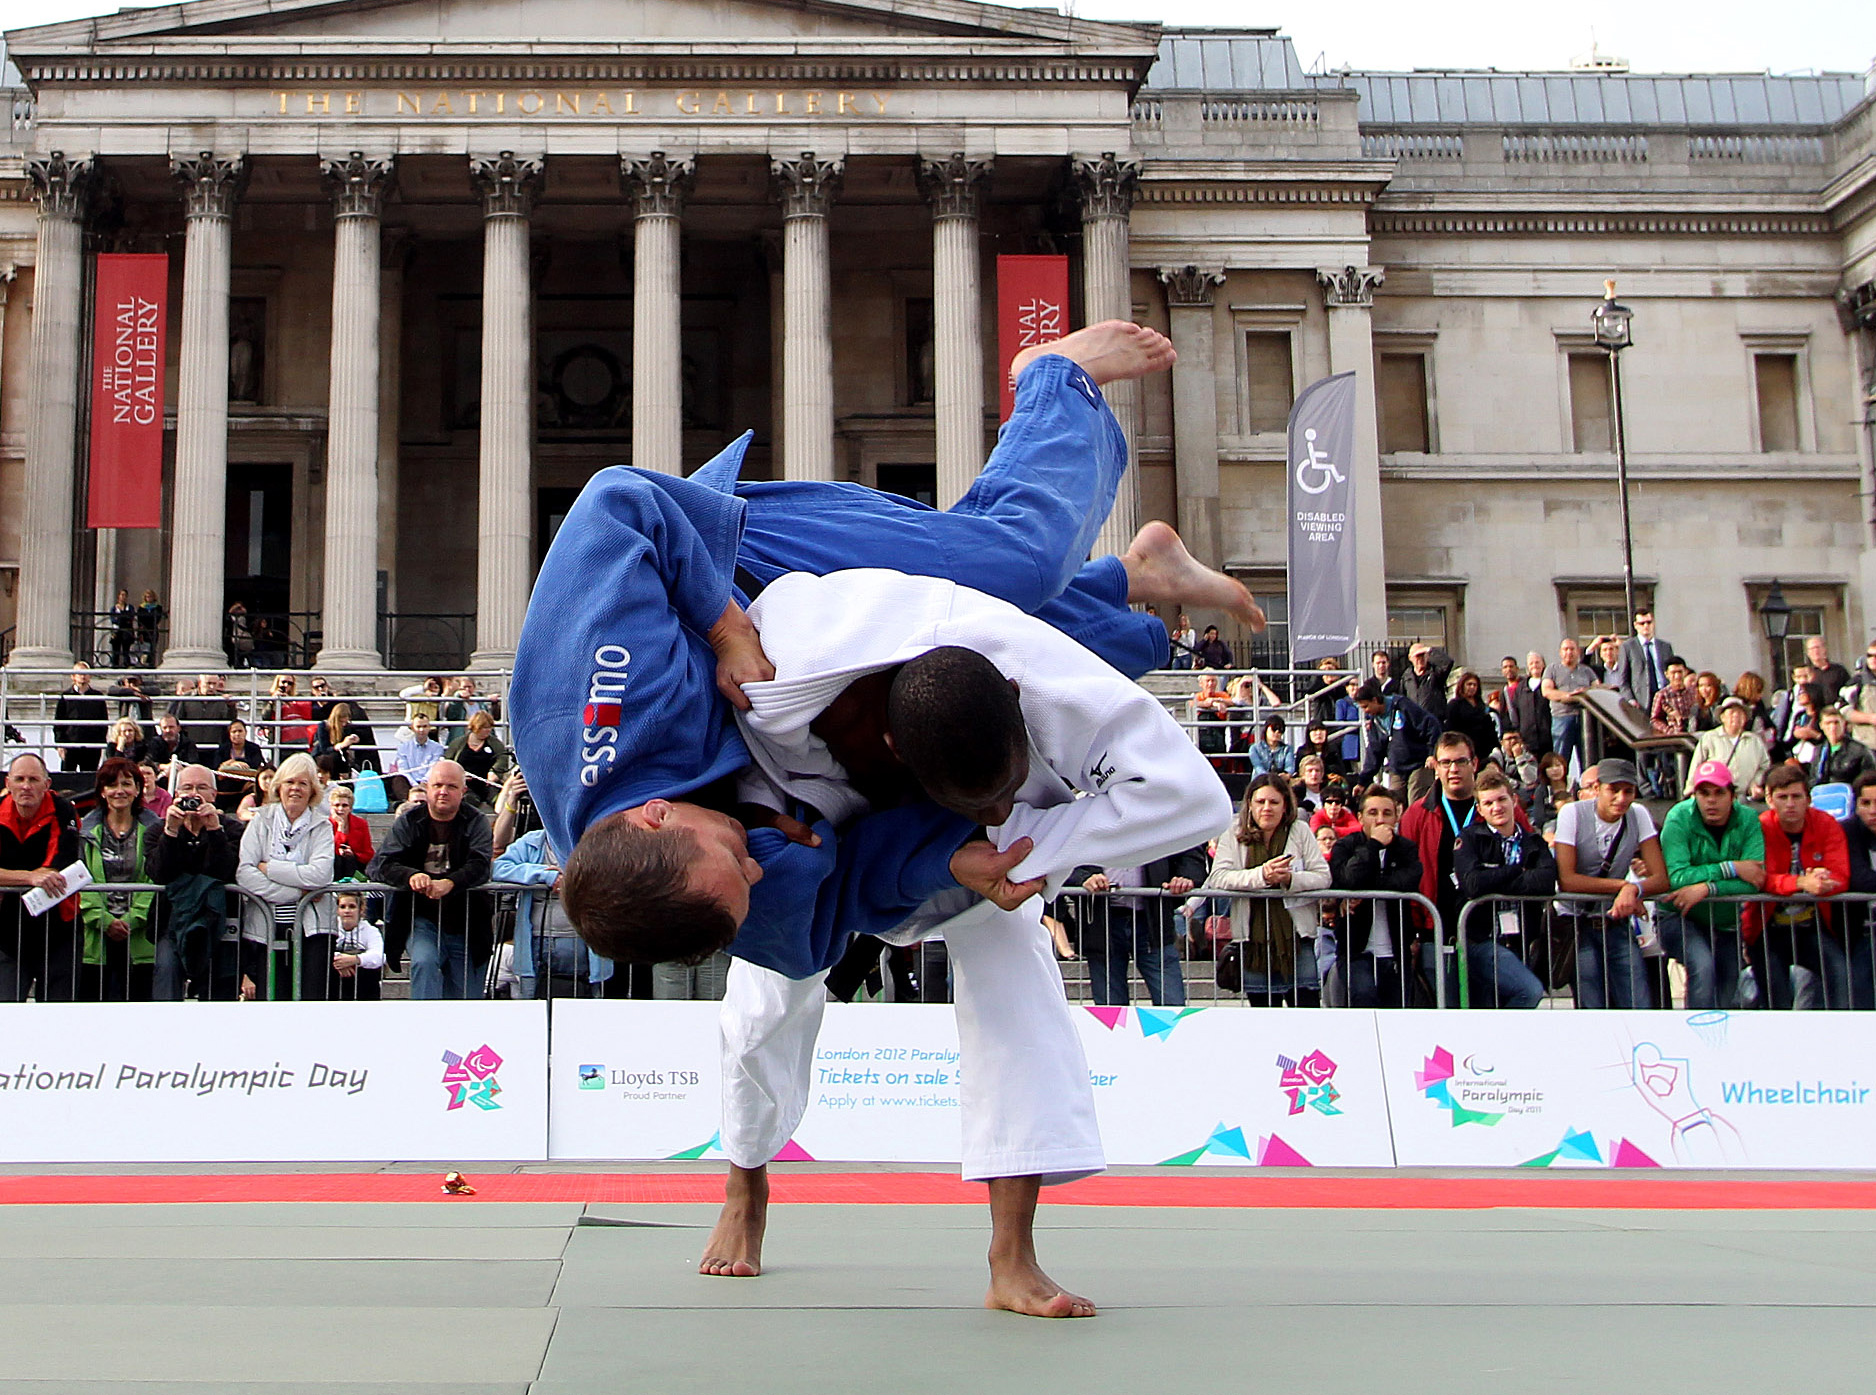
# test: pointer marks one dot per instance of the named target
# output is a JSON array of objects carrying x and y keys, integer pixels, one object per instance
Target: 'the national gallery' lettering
[{"x": 579, "y": 102}]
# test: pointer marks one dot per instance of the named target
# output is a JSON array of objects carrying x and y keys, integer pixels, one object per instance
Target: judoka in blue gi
[{"x": 638, "y": 621}]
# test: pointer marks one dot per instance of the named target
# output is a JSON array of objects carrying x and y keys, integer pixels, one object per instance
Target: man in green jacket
[{"x": 1713, "y": 846}]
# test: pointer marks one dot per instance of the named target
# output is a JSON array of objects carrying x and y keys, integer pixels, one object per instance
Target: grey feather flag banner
[{"x": 1322, "y": 520}]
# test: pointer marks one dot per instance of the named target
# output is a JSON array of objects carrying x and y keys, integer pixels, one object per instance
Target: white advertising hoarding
[
  {"x": 275, "y": 1082},
  {"x": 1631, "y": 1089},
  {"x": 1185, "y": 1086}
]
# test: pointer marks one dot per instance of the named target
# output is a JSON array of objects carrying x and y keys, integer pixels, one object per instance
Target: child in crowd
[{"x": 357, "y": 952}]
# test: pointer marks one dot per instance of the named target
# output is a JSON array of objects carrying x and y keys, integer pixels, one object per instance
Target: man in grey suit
[{"x": 1641, "y": 669}]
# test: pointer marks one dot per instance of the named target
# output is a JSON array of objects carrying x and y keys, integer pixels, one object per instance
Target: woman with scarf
[
  {"x": 286, "y": 852},
  {"x": 1276, "y": 947}
]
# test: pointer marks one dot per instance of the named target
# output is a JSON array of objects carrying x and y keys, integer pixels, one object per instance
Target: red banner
[
  {"x": 1032, "y": 308},
  {"x": 127, "y": 391}
]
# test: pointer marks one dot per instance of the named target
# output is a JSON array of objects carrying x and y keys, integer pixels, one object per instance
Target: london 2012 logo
[
  {"x": 1309, "y": 1083},
  {"x": 471, "y": 1079}
]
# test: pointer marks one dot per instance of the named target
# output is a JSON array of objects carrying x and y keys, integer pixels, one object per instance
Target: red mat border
[{"x": 1547, "y": 1191}]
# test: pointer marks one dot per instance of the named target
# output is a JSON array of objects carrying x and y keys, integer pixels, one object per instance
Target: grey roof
[{"x": 1221, "y": 61}]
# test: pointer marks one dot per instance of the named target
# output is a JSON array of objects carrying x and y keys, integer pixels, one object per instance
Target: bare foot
[
  {"x": 1109, "y": 351},
  {"x": 1162, "y": 572},
  {"x": 734, "y": 1250},
  {"x": 1020, "y": 1286}
]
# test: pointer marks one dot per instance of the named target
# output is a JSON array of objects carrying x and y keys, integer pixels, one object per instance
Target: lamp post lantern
[
  {"x": 1775, "y": 616},
  {"x": 1611, "y": 323}
]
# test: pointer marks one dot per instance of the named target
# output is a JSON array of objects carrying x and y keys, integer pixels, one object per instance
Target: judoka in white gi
[{"x": 1111, "y": 779}]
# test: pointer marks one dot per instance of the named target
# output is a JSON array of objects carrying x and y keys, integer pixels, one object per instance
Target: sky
[{"x": 1653, "y": 35}]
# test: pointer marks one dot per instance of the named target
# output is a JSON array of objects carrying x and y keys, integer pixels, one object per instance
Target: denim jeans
[
  {"x": 1781, "y": 947},
  {"x": 1711, "y": 958},
  {"x": 1566, "y": 736},
  {"x": 1495, "y": 977},
  {"x": 1147, "y": 935},
  {"x": 1377, "y": 983},
  {"x": 440, "y": 966},
  {"x": 1609, "y": 968}
]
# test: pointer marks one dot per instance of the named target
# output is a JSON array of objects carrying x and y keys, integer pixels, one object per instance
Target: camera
[{"x": 189, "y": 803}]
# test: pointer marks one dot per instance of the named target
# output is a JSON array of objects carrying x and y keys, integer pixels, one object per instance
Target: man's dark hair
[
  {"x": 1368, "y": 692},
  {"x": 1781, "y": 775},
  {"x": 956, "y": 722},
  {"x": 1861, "y": 783},
  {"x": 627, "y": 891},
  {"x": 1379, "y": 791},
  {"x": 1492, "y": 779},
  {"x": 1273, "y": 724},
  {"x": 1455, "y": 740}
]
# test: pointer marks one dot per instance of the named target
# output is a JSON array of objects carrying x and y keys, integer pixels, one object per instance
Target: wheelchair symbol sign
[{"x": 1315, "y": 472}]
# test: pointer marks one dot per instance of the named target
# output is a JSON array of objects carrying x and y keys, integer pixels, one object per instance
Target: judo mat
[{"x": 555, "y": 1282}]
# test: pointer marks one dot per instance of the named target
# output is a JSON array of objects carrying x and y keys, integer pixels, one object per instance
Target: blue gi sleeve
[{"x": 614, "y": 695}]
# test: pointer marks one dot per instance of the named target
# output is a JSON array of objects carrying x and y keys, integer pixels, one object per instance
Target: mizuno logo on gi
[
  {"x": 605, "y": 691},
  {"x": 1101, "y": 773}
]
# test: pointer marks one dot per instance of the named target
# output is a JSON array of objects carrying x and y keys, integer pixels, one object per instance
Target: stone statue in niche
[{"x": 247, "y": 338}]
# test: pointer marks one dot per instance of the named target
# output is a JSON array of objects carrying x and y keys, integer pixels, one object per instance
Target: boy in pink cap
[{"x": 1714, "y": 847}]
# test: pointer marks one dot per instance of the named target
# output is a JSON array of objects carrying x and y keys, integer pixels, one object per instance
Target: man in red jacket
[
  {"x": 1805, "y": 855},
  {"x": 38, "y": 836}
]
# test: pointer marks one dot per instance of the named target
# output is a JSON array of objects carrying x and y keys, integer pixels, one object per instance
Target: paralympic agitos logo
[{"x": 605, "y": 699}]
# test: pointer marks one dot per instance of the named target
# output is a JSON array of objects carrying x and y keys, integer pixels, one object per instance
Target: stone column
[
  {"x": 1856, "y": 304},
  {"x": 657, "y": 187},
  {"x": 1195, "y": 408},
  {"x": 1106, "y": 187},
  {"x": 395, "y": 250},
  {"x": 954, "y": 188},
  {"x": 199, "y": 505},
  {"x": 44, "y": 631},
  {"x": 349, "y": 619},
  {"x": 1349, "y": 294},
  {"x": 505, "y": 510},
  {"x": 806, "y": 188}
]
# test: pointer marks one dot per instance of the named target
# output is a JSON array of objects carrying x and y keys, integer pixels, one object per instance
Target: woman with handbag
[{"x": 1272, "y": 957}]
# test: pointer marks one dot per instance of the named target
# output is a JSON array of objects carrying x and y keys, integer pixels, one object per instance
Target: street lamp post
[
  {"x": 1775, "y": 616},
  {"x": 1613, "y": 334}
]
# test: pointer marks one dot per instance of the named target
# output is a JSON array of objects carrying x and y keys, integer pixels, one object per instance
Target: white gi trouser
[{"x": 1026, "y": 1103}]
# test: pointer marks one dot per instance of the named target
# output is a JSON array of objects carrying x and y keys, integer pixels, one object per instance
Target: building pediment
[{"x": 305, "y": 26}]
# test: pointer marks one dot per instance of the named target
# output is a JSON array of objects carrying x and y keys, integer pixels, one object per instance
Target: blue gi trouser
[{"x": 1021, "y": 533}]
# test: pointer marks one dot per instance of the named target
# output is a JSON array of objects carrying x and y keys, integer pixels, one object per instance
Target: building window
[
  {"x": 1270, "y": 382},
  {"x": 1816, "y": 612},
  {"x": 1592, "y": 405},
  {"x": 921, "y": 374},
  {"x": 1405, "y": 421},
  {"x": 1269, "y": 652},
  {"x": 1592, "y": 609},
  {"x": 1776, "y": 382},
  {"x": 1425, "y": 613}
]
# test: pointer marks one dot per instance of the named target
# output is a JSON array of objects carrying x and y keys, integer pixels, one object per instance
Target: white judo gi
[{"x": 1113, "y": 781}]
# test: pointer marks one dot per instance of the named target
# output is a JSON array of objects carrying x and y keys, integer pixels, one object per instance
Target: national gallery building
[{"x": 432, "y": 263}]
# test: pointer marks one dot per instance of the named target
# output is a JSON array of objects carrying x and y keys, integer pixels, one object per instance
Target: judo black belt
[{"x": 746, "y": 583}]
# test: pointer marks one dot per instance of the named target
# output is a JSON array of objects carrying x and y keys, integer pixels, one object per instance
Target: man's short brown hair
[
  {"x": 1781, "y": 775},
  {"x": 627, "y": 891},
  {"x": 1492, "y": 779}
]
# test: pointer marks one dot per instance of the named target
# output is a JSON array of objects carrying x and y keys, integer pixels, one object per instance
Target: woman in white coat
[
  {"x": 1274, "y": 939},
  {"x": 285, "y": 853}
]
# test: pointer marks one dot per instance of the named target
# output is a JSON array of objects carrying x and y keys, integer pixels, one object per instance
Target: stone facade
[{"x": 432, "y": 265}]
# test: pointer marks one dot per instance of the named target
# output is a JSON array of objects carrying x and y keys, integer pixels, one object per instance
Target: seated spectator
[
  {"x": 290, "y": 717},
  {"x": 1713, "y": 846},
  {"x": 205, "y": 711},
  {"x": 1424, "y": 683},
  {"x": 1840, "y": 759},
  {"x": 193, "y": 860},
  {"x": 1312, "y": 778},
  {"x": 1860, "y": 842},
  {"x": 1521, "y": 767},
  {"x": 38, "y": 837},
  {"x": 411, "y": 765},
  {"x": 1269, "y": 847},
  {"x": 1400, "y": 734},
  {"x": 357, "y": 952},
  {"x": 335, "y": 738},
  {"x": 321, "y": 696},
  {"x": 548, "y": 948},
  {"x": 1249, "y": 696},
  {"x": 1212, "y": 652},
  {"x": 483, "y": 758},
  {"x": 261, "y": 788},
  {"x": 1709, "y": 693},
  {"x": 286, "y": 851},
  {"x": 1553, "y": 791},
  {"x": 156, "y": 799},
  {"x": 1319, "y": 743},
  {"x": 1735, "y": 747},
  {"x": 119, "y": 926},
  {"x": 126, "y": 741},
  {"x": 1468, "y": 714},
  {"x": 1674, "y": 706},
  {"x": 1497, "y": 856},
  {"x": 133, "y": 701},
  {"x": 237, "y": 746},
  {"x": 425, "y": 698},
  {"x": 1806, "y": 854},
  {"x": 1751, "y": 687},
  {"x": 1331, "y": 687},
  {"x": 1117, "y": 926},
  {"x": 438, "y": 851},
  {"x": 170, "y": 744},
  {"x": 1597, "y": 842},
  {"x": 1789, "y": 710},
  {"x": 1379, "y": 936},
  {"x": 1859, "y": 699},
  {"x": 1335, "y": 815},
  {"x": 351, "y": 835},
  {"x": 463, "y": 703},
  {"x": 1272, "y": 755},
  {"x": 1211, "y": 705}
]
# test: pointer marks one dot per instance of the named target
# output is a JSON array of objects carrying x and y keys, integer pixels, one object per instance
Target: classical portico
[{"x": 606, "y": 247}]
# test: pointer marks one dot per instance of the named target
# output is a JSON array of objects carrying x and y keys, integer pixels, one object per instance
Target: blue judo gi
[{"x": 614, "y": 701}]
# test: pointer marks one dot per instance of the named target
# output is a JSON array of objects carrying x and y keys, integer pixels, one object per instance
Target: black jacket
[
  {"x": 1842, "y": 765},
  {"x": 1474, "y": 721},
  {"x": 471, "y": 857},
  {"x": 1358, "y": 863},
  {"x": 81, "y": 719},
  {"x": 213, "y": 852},
  {"x": 1529, "y": 711},
  {"x": 1428, "y": 690},
  {"x": 1400, "y": 739},
  {"x": 1483, "y": 870}
]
